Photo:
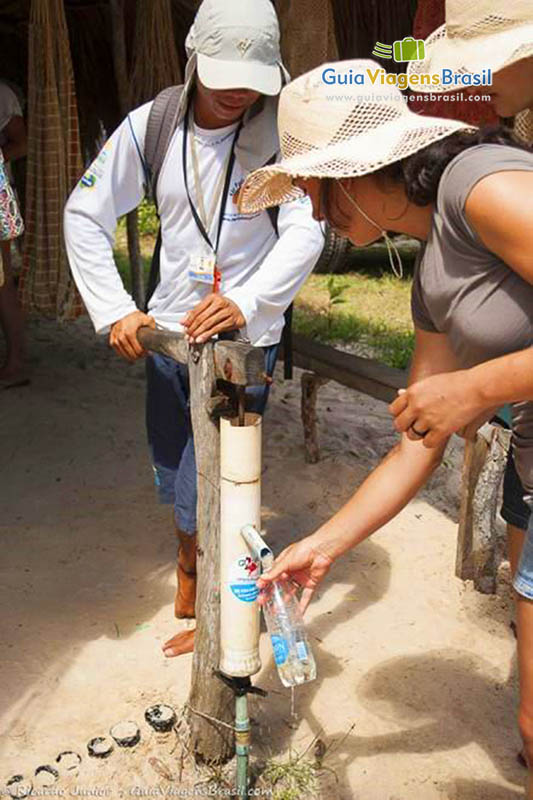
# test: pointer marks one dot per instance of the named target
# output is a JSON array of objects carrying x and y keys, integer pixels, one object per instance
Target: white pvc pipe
[{"x": 240, "y": 505}]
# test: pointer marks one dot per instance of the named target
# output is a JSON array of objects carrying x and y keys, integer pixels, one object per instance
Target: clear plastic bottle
[{"x": 292, "y": 653}]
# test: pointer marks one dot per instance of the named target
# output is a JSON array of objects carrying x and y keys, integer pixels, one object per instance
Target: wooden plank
[
  {"x": 236, "y": 362},
  {"x": 167, "y": 343},
  {"x": 474, "y": 459},
  {"x": 479, "y": 549},
  {"x": 363, "y": 374},
  {"x": 210, "y": 742},
  {"x": 240, "y": 363}
]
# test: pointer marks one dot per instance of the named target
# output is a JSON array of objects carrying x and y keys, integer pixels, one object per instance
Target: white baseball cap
[{"x": 237, "y": 44}]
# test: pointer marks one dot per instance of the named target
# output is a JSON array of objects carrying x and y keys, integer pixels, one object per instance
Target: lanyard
[
  {"x": 207, "y": 217},
  {"x": 201, "y": 224}
]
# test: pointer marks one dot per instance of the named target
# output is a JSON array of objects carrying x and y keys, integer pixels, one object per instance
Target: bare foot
[{"x": 179, "y": 644}]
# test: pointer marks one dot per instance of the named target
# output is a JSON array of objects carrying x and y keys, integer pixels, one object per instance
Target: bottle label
[
  {"x": 281, "y": 649},
  {"x": 242, "y": 576},
  {"x": 301, "y": 651}
]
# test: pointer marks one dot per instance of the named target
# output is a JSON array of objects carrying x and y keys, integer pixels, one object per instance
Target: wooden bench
[{"x": 479, "y": 547}]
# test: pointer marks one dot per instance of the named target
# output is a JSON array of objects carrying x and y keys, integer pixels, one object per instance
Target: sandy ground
[{"x": 420, "y": 664}]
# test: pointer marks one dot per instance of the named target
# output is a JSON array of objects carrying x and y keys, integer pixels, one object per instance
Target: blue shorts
[
  {"x": 168, "y": 423},
  {"x": 523, "y": 581},
  {"x": 514, "y": 510}
]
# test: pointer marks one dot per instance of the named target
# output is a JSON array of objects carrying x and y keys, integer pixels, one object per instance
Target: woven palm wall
[
  {"x": 53, "y": 163},
  {"x": 307, "y": 34}
]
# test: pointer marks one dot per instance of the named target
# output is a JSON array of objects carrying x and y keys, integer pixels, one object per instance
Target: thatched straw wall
[{"x": 89, "y": 26}]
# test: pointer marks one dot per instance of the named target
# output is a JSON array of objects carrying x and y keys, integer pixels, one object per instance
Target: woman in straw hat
[
  {"x": 370, "y": 165},
  {"x": 478, "y": 35},
  {"x": 499, "y": 36}
]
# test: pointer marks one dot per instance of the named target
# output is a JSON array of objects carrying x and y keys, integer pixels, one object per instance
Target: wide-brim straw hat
[
  {"x": 477, "y": 35},
  {"x": 340, "y": 131}
]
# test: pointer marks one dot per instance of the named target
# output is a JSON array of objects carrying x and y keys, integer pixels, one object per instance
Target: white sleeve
[
  {"x": 271, "y": 290},
  {"x": 112, "y": 186}
]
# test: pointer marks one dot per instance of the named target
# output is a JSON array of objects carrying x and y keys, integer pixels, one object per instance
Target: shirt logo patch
[
  {"x": 96, "y": 170},
  {"x": 88, "y": 180}
]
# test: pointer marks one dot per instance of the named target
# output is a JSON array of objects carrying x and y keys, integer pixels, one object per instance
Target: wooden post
[
  {"x": 209, "y": 741},
  {"x": 479, "y": 549},
  {"x": 136, "y": 264},
  {"x": 240, "y": 364},
  {"x": 310, "y": 385},
  {"x": 121, "y": 76}
]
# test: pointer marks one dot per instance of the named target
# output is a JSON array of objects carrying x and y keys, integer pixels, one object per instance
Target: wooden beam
[
  {"x": 211, "y": 742},
  {"x": 166, "y": 343},
  {"x": 234, "y": 362},
  {"x": 363, "y": 374}
]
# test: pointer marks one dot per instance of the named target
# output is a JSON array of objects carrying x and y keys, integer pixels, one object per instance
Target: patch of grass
[
  {"x": 292, "y": 779},
  {"x": 370, "y": 310}
]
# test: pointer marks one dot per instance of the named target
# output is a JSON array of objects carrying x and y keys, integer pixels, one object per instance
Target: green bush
[{"x": 148, "y": 221}]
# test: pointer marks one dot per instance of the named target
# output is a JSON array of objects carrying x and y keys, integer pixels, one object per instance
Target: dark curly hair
[{"x": 421, "y": 172}]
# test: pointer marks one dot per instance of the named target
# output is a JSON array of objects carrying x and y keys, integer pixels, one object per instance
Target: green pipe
[{"x": 242, "y": 744}]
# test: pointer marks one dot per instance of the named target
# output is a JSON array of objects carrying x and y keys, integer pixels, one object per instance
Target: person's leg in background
[
  {"x": 523, "y": 584},
  {"x": 185, "y": 518},
  {"x": 186, "y": 497},
  {"x": 170, "y": 439},
  {"x": 12, "y": 373},
  {"x": 515, "y": 512}
]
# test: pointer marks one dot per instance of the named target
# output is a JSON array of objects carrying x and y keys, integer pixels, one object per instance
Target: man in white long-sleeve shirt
[{"x": 220, "y": 270}]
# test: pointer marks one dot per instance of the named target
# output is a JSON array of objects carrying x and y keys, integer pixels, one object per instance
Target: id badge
[{"x": 202, "y": 268}]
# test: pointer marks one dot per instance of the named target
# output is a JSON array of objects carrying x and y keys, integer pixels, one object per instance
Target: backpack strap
[
  {"x": 162, "y": 122},
  {"x": 286, "y": 334}
]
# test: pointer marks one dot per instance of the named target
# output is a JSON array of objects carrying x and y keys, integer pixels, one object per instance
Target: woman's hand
[
  {"x": 306, "y": 563},
  {"x": 435, "y": 407}
]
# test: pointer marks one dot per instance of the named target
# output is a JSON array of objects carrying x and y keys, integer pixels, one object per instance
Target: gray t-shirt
[{"x": 464, "y": 290}]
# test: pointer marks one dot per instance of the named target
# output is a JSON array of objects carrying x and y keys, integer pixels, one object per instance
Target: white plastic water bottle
[{"x": 292, "y": 653}]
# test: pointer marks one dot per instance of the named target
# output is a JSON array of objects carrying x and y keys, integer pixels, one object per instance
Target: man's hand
[
  {"x": 434, "y": 408},
  {"x": 123, "y": 335},
  {"x": 213, "y": 315}
]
